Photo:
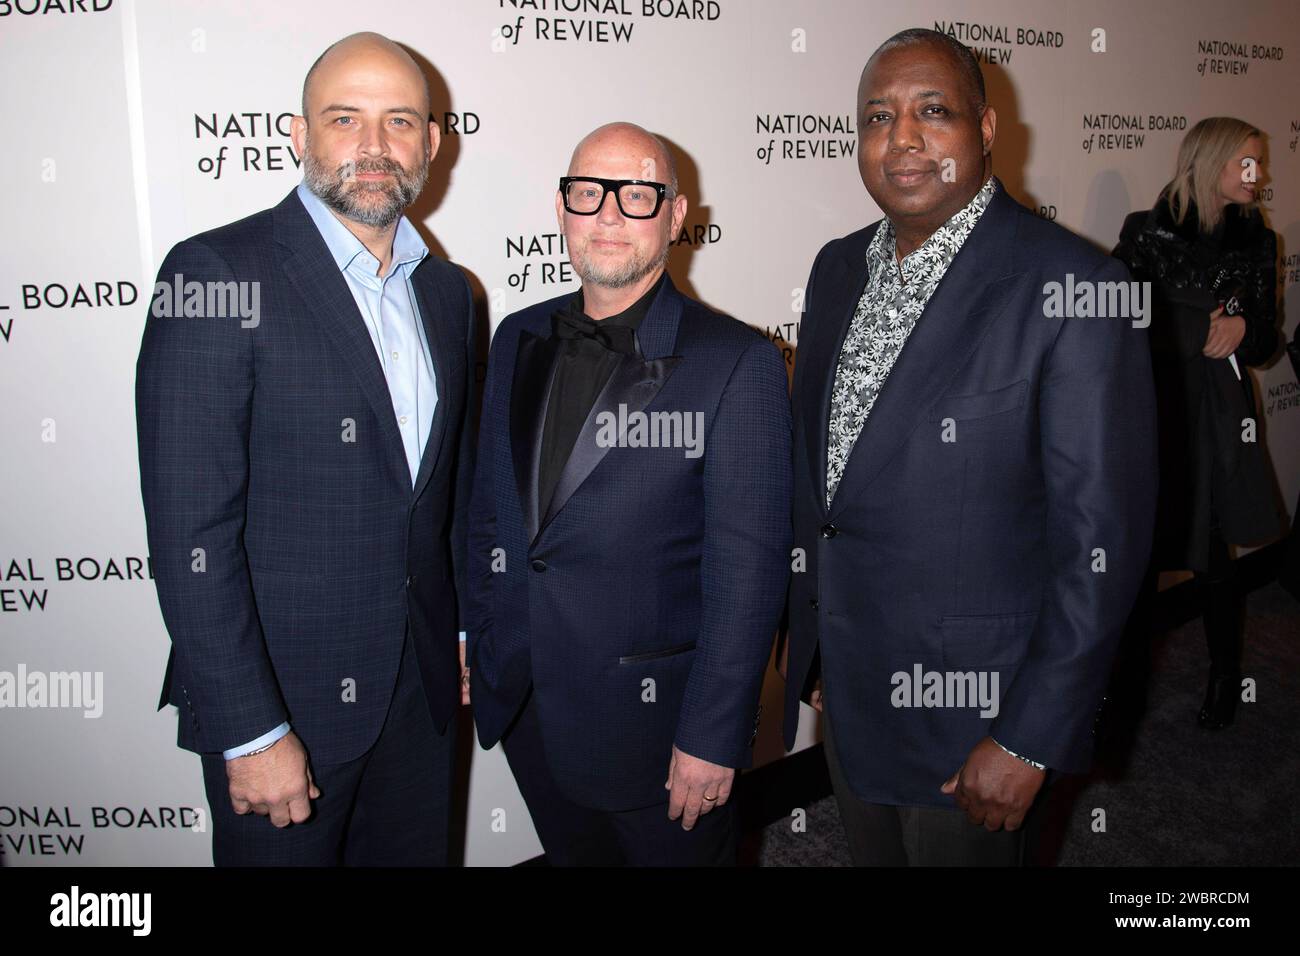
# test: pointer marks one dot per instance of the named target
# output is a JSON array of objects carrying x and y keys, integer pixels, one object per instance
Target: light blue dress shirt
[{"x": 388, "y": 306}]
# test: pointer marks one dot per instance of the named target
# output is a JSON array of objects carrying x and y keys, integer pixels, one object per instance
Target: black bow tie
[{"x": 616, "y": 338}]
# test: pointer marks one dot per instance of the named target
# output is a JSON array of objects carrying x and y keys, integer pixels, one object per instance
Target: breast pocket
[{"x": 980, "y": 404}]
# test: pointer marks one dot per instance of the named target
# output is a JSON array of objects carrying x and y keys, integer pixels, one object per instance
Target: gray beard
[
  {"x": 620, "y": 277},
  {"x": 338, "y": 190}
]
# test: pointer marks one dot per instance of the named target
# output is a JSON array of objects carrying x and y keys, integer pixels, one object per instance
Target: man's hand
[
  {"x": 815, "y": 698},
  {"x": 697, "y": 787},
  {"x": 276, "y": 782},
  {"x": 1226, "y": 333},
  {"x": 464, "y": 677},
  {"x": 993, "y": 787}
]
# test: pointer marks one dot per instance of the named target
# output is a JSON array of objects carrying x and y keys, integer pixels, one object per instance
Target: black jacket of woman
[{"x": 1209, "y": 472}]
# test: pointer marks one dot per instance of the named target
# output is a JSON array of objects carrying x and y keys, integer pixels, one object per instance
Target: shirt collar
[
  {"x": 345, "y": 247},
  {"x": 632, "y": 315},
  {"x": 945, "y": 242}
]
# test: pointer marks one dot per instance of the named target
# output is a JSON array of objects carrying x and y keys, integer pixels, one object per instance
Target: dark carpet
[{"x": 1168, "y": 793}]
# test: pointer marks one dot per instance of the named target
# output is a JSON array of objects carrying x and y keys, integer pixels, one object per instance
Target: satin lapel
[
  {"x": 845, "y": 279},
  {"x": 635, "y": 382},
  {"x": 312, "y": 271},
  {"x": 954, "y": 322},
  {"x": 435, "y": 308},
  {"x": 530, "y": 393}
]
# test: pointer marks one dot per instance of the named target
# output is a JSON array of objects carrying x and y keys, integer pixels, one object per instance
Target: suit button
[
  {"x": 410, "y": 580},
  {"x": 539, "y": 565},
  {"x": 829, "y": 531},
  {"x": 812, "y": 603}
]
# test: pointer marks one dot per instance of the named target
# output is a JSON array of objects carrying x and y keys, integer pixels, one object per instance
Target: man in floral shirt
[{"x": 974, "y": 482}]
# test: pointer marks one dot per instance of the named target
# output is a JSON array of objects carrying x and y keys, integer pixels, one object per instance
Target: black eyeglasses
[{"x": 637, "y": 198}]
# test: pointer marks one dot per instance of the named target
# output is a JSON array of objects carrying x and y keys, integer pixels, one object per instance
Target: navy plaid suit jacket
[
  {"x": 290, "y": 551},
  {"x": 649, "y": 565}
]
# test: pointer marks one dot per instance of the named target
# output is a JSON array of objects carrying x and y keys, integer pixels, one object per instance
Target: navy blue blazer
[
  {"x": 981, "y": 552},
  {"x": 316, "y": 553},
  {"x": 642, "y": 605}
]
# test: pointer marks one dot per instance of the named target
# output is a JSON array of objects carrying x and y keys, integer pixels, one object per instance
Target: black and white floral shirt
[{"x": 894, "y": 299}]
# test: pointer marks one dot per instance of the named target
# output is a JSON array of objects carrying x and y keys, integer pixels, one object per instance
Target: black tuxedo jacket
[{"x": 642, "y": 603}]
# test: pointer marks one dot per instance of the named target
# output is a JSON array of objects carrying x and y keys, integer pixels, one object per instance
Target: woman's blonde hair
[{"x": 1206, "y": 148}]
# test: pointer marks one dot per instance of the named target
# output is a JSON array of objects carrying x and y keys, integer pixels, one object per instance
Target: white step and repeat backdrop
[{"x": 131, "y": 125}]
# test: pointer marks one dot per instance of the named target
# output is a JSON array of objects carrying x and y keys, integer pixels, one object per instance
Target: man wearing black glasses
[{"x": 630, "y": 533}]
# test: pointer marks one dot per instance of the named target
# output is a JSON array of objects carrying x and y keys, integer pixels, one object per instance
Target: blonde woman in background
[{"x": 1212, "y": 263}]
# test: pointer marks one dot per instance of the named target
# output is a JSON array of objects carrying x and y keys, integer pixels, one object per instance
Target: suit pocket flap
[
  {"x": 655, "y": 655},
  {"x": 986, "y": 641},
  {"x": 980, "y": 405}
]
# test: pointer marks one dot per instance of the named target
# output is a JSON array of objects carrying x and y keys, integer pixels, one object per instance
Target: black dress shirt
[{"x": 588, "y": 352}]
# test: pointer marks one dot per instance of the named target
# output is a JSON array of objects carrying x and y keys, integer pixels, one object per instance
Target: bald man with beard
[
  {"x": 629, "y": 533},
  {"x": 305, "y": 474}
]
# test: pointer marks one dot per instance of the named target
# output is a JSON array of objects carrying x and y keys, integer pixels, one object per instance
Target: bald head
[
  {"x": 365, "y": 134},
  {"x": 656, "y": 161},
  {"x": 618, "y": 255},
  {"x": 363, "y": 57}
]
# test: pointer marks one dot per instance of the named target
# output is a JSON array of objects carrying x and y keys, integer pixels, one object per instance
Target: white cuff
[{"x": 268, "y": 738}]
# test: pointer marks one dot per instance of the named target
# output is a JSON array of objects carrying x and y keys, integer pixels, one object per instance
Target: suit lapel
[
  {"x": 312, "y": 271},
  {"x": 967, "y": 301},
  {"x": 634, "y": 383},
  {"x": 530, "y": 393},
  {"x": 431, "y": 300}
]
